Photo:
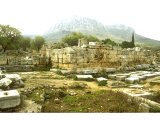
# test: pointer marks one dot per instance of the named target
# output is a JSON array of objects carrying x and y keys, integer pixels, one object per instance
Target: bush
[
  {"x": 101, "y": 74},
  {"x": 59, "y": 72},
  {"x": 102, "y": 83}
]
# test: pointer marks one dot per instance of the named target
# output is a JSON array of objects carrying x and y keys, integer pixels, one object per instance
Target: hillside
[{"x": 118, "y": 33}]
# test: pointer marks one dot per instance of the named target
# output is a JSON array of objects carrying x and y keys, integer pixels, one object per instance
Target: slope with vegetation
[{"x": 87, "y": 26}]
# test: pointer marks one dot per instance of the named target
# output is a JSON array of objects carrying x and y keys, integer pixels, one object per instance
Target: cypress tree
[{"x": 132, "y": 43}]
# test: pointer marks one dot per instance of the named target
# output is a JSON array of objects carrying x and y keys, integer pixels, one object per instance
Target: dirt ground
[{"x": 34, "y": 79}]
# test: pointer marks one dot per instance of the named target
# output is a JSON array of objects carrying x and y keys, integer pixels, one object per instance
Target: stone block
[
  {"x": 90, "y": 71},
  {"x": 113, "y": 77},
  {"x": 54, "y": 70},
  {"x": 13, "y": 76},
  {"x": 9, "y": 99},
  {"x": 121, "y": 78},
  {"x": 84, "y": 76},
  {"x": 101, "y": 79},
  {"x": 5, "y": 82},
  {"x": 151, "y": 75},
  {"x": 132, "y": 79}
]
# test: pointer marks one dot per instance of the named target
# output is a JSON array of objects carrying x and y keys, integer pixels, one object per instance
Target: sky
[{"x": 37, "y": 16}]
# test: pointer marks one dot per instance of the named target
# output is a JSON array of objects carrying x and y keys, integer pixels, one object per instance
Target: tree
[
  {"x": 125, "y": 44},
  {"x": 38, "y": 42},
  {"x": 132, "y": 43},
  {"x": 72, "y": 39},
  {"x": 91, "y": 38},
  {"x": 24, "y": 43},
  {"x": 110, "y": 42},
  {"x": 8, "y": 36}
]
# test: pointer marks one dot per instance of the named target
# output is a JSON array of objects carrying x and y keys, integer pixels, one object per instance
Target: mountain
[{"x": 118, "y": 33}]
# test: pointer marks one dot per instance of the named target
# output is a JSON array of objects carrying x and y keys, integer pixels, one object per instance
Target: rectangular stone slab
[{"x": 9, "y": 99}]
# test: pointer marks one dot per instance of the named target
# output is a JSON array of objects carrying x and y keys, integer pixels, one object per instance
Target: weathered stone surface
[
  {"x": 84, "y": 76},
  {"x": 53, "y": 70},
  {"x": 13, "y": 76},
  {"x": 101, "y": 79},
  {"x": 151, "y": 75},
  {"x": 66, "y": 71},
  {"x": 129, "y": 68},
  {"x": 9, "y": 99},
  {"x": 72, "y": 93},
  {"x": 140, "y": 77},
  {"x": 121, "y": 78},
  {"x": 89, "y": 71},
  {"x": 132, "y": 79},
  {"x": 113, "y": 77},
  {"x": 5, "y": 82},
  {"x": 136, "y": 86}
]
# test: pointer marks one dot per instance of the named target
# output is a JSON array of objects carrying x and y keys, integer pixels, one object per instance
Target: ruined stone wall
[{"x": 98, "y": 57}]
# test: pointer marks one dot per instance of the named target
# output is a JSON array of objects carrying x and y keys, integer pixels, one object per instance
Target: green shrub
[
  {"x": 103, "y": 73},
  {"x": 102, "y": 83},
  {"x": 59, "y": 72}
]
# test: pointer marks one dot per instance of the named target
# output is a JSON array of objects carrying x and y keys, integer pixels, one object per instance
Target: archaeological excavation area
[
  {"x": 83, "y": 78},
  {"x": 83, "y": 90}
]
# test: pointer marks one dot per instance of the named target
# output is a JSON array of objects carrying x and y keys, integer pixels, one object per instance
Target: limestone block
[
  {"x": 53, "y": 70},
  {"x": 113, "y": 77},
  {"x": 9, "y": 99},
  {"x": 84, "y": 76},
  {"x": 90, "y": 71},
  {"x": 101, "y": 79},
  {"x": 66, "y": 71},
  {"x": 151, "y": 75},
  {"x": 13, "y": 76},
  {"x": 132, "y": 79},
  {"x": 5, "y": 82},
  {"x": 121, "y": 78},
  {"x": 129, "y": 68},
  {"x": 142, "y": 77}
]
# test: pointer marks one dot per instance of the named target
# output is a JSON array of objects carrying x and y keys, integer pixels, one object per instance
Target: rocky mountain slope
[{"x": 118, "y": 33}]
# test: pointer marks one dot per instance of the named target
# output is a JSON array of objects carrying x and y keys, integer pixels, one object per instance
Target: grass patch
[{"x": 101, "y": 101}]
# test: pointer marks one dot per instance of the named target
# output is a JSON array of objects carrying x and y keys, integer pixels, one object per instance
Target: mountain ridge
[{"x": 117, "y": 32}]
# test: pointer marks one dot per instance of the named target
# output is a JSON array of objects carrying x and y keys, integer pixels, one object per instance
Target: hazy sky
[{"x": 37, "y": 16}]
